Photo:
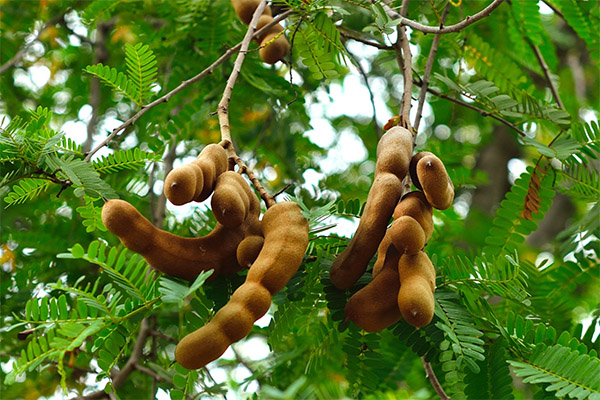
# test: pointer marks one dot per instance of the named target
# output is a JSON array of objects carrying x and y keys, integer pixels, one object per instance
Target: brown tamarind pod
[
  {"x": 417, "y": 285},
  {"x": 393, "y": 156},
  {"x": 375, "y": 306},
  {"x": 386, "y": 242},
  {"x": 248, "y": 250},
  {"x": 231, "y": 199},
  {"x": 429, "y": 174},
  {"x": 415, "y": 205},
  {"x": 286, "y": 240},
  {"x": 196, "y": 180},
  {"x": 274, "y": 47},
  {"x": 178, "y": 256},
  {"x": 262, "y": 21},
  {"x": 245, "y": 9},
  {"x": 407, "y": 235}
]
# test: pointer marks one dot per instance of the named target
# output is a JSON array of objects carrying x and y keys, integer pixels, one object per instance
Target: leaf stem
[{"x": 430, "y": 374}]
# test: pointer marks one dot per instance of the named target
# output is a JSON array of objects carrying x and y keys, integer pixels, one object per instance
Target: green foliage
[
  {"x": 566, "y": 371},
  {"x": 123, "y": 159},
  {"x": 141, "y": 74},
  {"x": 493, "y": 380},
  {"x": 317, "y": 43},
  {"x": 507, "y": 105},
  {"x": 584, "y": 25},
  {"x": 519, "y": 212}
]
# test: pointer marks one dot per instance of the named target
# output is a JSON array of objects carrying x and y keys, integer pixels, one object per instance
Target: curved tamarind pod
[
  {"x": 231, "y": 199},
  {"x": 174, "y": 255},
  {"x": 381, "y": 254},
  {"x": 393, "y": 156},
  {"x": 414, "y": 204},
  {"x": 196, "y": 180},
  {"x": 271, "y": 50},
  {"x": 249, "y": 249},
  {"x": 407, "y": 235},
  {"x": 428, "y": 173},
  {"x": 286, "y": 240},
  {"x": 375, "y": 307},
  {"x": 245, "y": 9},
  {"x": 417, "y": 279}
]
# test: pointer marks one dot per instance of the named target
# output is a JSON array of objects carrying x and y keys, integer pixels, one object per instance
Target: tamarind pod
[
  {"x": 417, "y": 285},
  {"x": 196, "y": 180},
  {"x": 407, "y": 235},
  {"x": 393, "y": 156},
  {"x": 286, "y": 240},
  {"x": 415, "y": 204},
  {"x": 183, "y": 184},
  {"x": 433, "y": 178},
  {"x": 245, "y": 9},
  {"x": 248, "y": 250},
  {"x": 231, "y": 199},
  {"x": 412, "y": 169},
  {"x": 375, "y": 306},
  {"x": 174, "y": 255},
  {"x": 262, "y": 21},
  {"x": 381, "y": 254},
  {"x": 271, "y": 50}
]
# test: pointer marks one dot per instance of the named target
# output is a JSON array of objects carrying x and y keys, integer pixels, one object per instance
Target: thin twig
[
  {"x": 553, "y": 8},
  {"x": 21, "y": 51},
  {"x": 429, "y": 374},
  {"x": 161, "y": 335},
  {"x": 182, "y": 86},
  {"x": 428, "y": 68},
  {"x": 362, "y": 72},
  {"x": 445, "y": 29},
  {"x": 243, "y": 168},
  {"x": 223, "y": 107},
  {"x": 546, "y": 70},
  {"x": 348, "y": 34},
  {"x": 474, "y": 108},
  {"x": 406, "y": 65},
  {"x": 151, "y": 373}
]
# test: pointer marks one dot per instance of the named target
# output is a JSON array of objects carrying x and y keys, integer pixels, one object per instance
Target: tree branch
[
  {"x": 21, "y": 51},
  {"x": 474, "y": 108},
  {"x": 223, "y": 107},
  {"x": 182, "y": 86},
  {"x": 405, "y": 63},
  {"x": 429, "y": 374},
  {"x": 428, "y": 68},
  {"x": 471, "y": 19},
  {"x": 546, "y": 70}
]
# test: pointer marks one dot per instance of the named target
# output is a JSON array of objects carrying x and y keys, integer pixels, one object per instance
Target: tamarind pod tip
[{"x": 183, "y": 184}]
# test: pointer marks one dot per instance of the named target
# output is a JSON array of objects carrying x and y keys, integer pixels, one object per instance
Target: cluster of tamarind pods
[
  {"x": 272, "y": 248},
  {"x": 403, "y": 276},
  {"x": 273, "y": 44}
]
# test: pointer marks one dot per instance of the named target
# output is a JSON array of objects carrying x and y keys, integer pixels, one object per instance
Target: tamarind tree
[{"x": 100, "y": 100}]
